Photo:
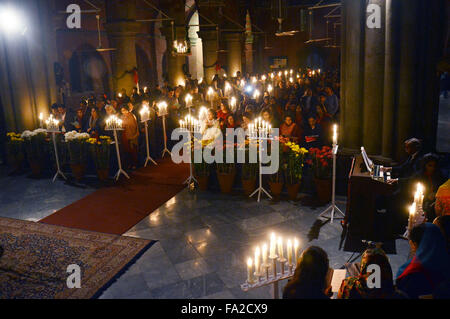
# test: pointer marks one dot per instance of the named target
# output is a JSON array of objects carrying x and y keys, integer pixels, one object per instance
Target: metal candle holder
[
  {"x": 333, "y": 207},
  {"x": 53, "y": 129},
  {"x": 260, "y": 131},
  {"x": 145, "y": 118},
  {"x": 114, "y": 124},
  {"x": 191, "y": 126},
  {"x": 162, "y": 107}
]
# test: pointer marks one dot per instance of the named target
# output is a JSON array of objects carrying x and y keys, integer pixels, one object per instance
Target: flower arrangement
[
  {"x": 77, "y": 145},
  {"x": 321, "y": 162},
  {"x": 100, "y": 151},
  {"x": 14, "y": 146},
  {"x": 294, "y": 162},
  {"x": 35, "y": 143}
]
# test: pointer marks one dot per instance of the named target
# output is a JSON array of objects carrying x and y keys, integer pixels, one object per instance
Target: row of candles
[
  {"x": 190, "y": 124},
  {"x": 259, "y": 129},
  {"x": 267, "y": 257},
  {"x": 416, "y": 206}
]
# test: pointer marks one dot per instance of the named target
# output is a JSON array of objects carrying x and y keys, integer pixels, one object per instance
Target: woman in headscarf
[
  {"x": 310, "y": 277},
  {"x": 356, "y": 287},
  {"x": 430, "y": 266}
]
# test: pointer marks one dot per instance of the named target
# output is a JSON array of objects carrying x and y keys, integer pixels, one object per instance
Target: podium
[{"x": 368, "y": 202}]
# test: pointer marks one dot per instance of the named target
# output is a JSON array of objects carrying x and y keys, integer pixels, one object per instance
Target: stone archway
[
  {"x": 88, "y": 71},
  {"x": 144, "y": 68},
  {"x": 195, "y": 60}
]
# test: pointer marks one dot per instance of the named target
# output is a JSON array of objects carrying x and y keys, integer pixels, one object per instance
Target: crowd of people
[
  {"x": 301, "y": 103},
  {"x": 425, "y": 275}
]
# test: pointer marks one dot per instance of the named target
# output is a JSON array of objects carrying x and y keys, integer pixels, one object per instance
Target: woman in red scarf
[{"x": 223, "y": 113}]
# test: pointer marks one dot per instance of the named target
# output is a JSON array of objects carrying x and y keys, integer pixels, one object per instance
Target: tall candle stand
[
  {"x": 333, "y": 207},
  {"x": 162, "y": 107},
  {"x": 191, "y": 126},
  {"x": 145, "y": 118},
  {"x": 260, "y": 131},
  {"x": 114, "y": 124},
  {"x": 53, "y": 128}
]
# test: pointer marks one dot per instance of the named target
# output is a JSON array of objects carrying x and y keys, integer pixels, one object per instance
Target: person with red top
[
  {"x": 230, "y": 123},
  {"x": 290, "y": 130},
  {"x": 223, "y": 113}
]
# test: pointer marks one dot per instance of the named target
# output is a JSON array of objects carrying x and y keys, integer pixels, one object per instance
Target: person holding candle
[
  {"x": 442, "y": 205},
  {"x": 431, "y": 177},
  {"x": 310, "y": 277},
  {"x": 289, "y": 129}
]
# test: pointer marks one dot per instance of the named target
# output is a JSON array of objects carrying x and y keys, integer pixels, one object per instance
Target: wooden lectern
[{"x": 367, "y": 200}]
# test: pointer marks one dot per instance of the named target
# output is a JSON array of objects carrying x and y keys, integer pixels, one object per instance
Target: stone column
[
  {"x": 174, "y": 62},
  {"x": 390, "y": 78},
  {"x": 210, "y": 46},
  {"x": 234, "y": 55},
  {"x": 373, "y": 84},
  {"x": 352, "y": 105},
  {"x": 123, "y": 38},
  {"x": 407, "y": 91}
]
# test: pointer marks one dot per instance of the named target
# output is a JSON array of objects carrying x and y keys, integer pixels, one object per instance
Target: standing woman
[
  {"x": 130, "y": 135},
  {"x": 95, "y": 125}
]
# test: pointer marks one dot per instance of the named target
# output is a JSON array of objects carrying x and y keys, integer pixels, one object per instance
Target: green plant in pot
[
  {"x": 226, "y": 173},
  {"x": 293, "y": 162},
  {"x": 36, "y": 149},
  {"x": 101, "y": 151},
  {"x": 15, "y": 150},
  {"x": 321, "y": 165},
  {"x": 78, "y": 151},
  {"x": 249, "y": 175}
]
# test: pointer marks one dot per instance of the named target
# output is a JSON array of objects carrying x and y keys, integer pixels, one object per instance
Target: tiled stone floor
[{"x": 203, "y": 238}]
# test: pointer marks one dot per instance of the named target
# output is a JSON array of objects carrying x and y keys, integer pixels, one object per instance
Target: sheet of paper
[{"x": 338, "y": 276}]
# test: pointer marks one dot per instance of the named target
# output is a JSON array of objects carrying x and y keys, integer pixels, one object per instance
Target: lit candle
[
  {"x": 249, "y": 270},
  {"x": 335, "y": 134},
  {"x": 412, "y": 212},
  {"x": 264, "y": 254},
  {"x": 289, "y": 252},
  {"x": 145, "y": 112},
  {"x": 162, "y": 108},
  {"x": 272, "y": 253},
  {"x": 280, "y": 247},
  {"x": 257, "y": 265},
  {"x": 41, "y": 118},
  {"x": 296, "y": 244},
  {"x": 233, "y": 103},
  {"x": 270, "y": 89},
  {"x": 188, "y": 100}
]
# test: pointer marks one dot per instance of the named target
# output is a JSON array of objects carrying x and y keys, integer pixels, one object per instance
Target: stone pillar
[
  {"x": 407, "y": 91},
  {"x": 210, "y": 46},
  {"x": 174, "y": 62},
  {"x": 234, "y": 55},
  {"x": 352, "y": 105},
  {"x": 390, "y": 78},
  {"x": 373, "y": 84},
  {"x": 123, "y": 38}
]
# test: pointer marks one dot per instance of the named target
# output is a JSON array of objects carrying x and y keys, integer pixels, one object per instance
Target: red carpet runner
[{"x": 116, "y": 209}]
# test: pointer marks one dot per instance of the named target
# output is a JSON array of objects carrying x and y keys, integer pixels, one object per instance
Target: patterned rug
[{"x": 36, "y": 256}]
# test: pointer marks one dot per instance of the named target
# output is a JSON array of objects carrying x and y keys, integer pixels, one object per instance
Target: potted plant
[
  {"x": 249, "y": 175},
  {"x": 321, "y": 166},
  {"x": 294, "y": 158},
  {"x": 77, "y": 146},
  {"x": 35, "y": 143},
  {"x": 100, "y": 151},
  {"x": 15, "y": 150},
  {"x": 225, "y": 174},
  {"x": 276, "y": 184}
]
